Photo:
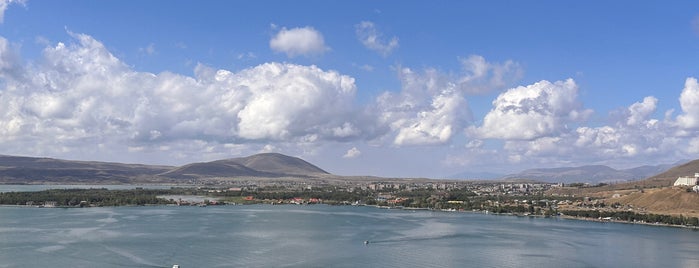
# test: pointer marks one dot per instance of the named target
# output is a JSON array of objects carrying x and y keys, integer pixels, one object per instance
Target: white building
[{"x": 687, "y": 181}]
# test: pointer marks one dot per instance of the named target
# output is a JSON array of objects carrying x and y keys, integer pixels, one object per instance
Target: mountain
[
  {"x": 19, "y": 169},
  {"x": 475, "y": 175},
  {"x": 280, "y": 164},
  {"x": 668, "y": 177},
  {"x": 592, "y": 174},
  {"x": 221, "y": 168},
  {"x": 259, "y": 165}
]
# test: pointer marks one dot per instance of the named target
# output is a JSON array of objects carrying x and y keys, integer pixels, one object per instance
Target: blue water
[{"x": 326, "y": 236}]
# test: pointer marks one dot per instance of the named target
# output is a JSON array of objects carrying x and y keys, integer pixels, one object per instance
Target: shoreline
[
  {"x": 565, "y": 217},
  {"x": 657, "y": 224}
]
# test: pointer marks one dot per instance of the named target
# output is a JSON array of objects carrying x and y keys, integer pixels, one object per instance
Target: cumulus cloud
[
  {"x": 432, "y": 106},
  {"x": 79, "y": 93},
  {"x": 305, "y": 41},
  {"x": 639, "y": 112},
  {"x": 352, "y": 153},
  {"x": 481, "y": 76},
  {"x": 632, "y": 138},
  {"x": 77, "y": 98},
  {"x": 428, "y": 110},
  {"x": 533, "y": 111},
  {"x": 4, "y": 4},
  {"x": 372, "y": 39},
  {"x": 291, "y": 100},
  {"x": 689, "y": 102},
  {"x": 10, "y": 62}
]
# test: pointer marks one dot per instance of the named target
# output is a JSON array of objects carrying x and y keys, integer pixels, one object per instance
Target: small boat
[
  {"x": 175, "y": 266},
  {"x": 366, "y": 242}
]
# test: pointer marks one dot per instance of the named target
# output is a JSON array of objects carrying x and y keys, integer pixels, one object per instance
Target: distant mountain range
[
  {"x": 18, "y": 169},
  {"x": 592, "y": 174}
]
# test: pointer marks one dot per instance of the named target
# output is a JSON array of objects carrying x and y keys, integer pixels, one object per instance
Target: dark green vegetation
[
  {"x": 629, "y": 216},
  {"x": 87, "y": 197}
]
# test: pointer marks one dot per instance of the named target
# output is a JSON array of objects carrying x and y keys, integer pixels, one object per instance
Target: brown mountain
[
  {"x": 668, "y": 177},
  {"x": 259, "y": 165},
  {"x": 279, "y": 164},
  {"x": 19, "y": 169}
]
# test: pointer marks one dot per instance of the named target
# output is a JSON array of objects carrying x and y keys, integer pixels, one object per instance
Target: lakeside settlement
[{"x": 519, "y": 199}]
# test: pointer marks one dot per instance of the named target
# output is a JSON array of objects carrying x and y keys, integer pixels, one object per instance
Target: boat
[
  {"x": 366, "y": 242},
  {"x": 175, "y": 266}
]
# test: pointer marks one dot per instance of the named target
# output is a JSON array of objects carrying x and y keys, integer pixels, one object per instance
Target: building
[{"x": 687, "y": 181}]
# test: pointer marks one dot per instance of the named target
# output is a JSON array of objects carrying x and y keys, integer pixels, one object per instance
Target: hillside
[
  {"x": 667, "y": 200},
  {"x": 221, "y": 168},
  {"x": 279, "y": 164},
  {"x": 668, "y": 177},
  {"x": 259, "y": 165},
  {"x": 19, "y": 169}
]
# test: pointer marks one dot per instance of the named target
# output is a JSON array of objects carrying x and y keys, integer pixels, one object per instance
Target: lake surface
[{"x": 326, "y": 236}]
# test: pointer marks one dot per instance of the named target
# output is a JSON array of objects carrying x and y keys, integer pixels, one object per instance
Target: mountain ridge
[
  {"x": 592, "y": 174},
  {"x": 23, "y": 169}
]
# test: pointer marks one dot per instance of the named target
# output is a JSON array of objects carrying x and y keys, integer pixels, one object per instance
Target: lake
[{"x": 326, "y": 236}]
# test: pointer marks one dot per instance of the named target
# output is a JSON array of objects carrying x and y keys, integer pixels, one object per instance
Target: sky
[{"x": 385, "y": 88}]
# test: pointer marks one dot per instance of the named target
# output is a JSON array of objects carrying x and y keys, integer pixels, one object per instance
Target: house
[{"x": 687, "y": 181}]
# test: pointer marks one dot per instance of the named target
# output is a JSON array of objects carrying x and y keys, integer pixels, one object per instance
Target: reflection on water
[{"x": 325, "y": 236}]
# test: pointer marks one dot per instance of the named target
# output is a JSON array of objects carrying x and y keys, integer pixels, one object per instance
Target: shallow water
[{"x": 326, "y": 236}]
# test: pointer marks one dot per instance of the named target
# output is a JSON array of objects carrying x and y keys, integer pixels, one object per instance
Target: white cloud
[
  {"x": 80, "y": 94},
  {"x": 294, "y": 42},
  {"x": 352, "y": 153},
  {"x": 639, "y": 112},
  {"x": 481, "y": 76},
  {"x": 4, "y": 4},
  {"x": 434, "y": 125},
  {"x": 79, "y": 99},
  {"x": 689, "y": 102},
  {"x": 631, "y": 138},
  {"x": 10, "y": 62},
  {"x": 291, "y": 100},
  {"x": 372, "y": 39},
  {"x": 428, "y": 110},
  {"x": 533, "y": 111},
  {"x": 431, "y": 106}
]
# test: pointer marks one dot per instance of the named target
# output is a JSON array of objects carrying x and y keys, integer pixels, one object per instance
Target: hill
[
  {"x": 668, "y": 177},
  {"x": 592, "y": 174},
  {"x": 667, "y": 200},
  {"x": 279, "y": 164},
  {"x": 19, "y": 169},
  {"x": 259, "y": 165}
]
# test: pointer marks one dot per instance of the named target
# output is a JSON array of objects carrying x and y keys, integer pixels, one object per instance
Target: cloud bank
[{"x": 80, "y": 99}]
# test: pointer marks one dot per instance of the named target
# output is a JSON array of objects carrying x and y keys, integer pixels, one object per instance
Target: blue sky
[{"x": 389, "y": 88}]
